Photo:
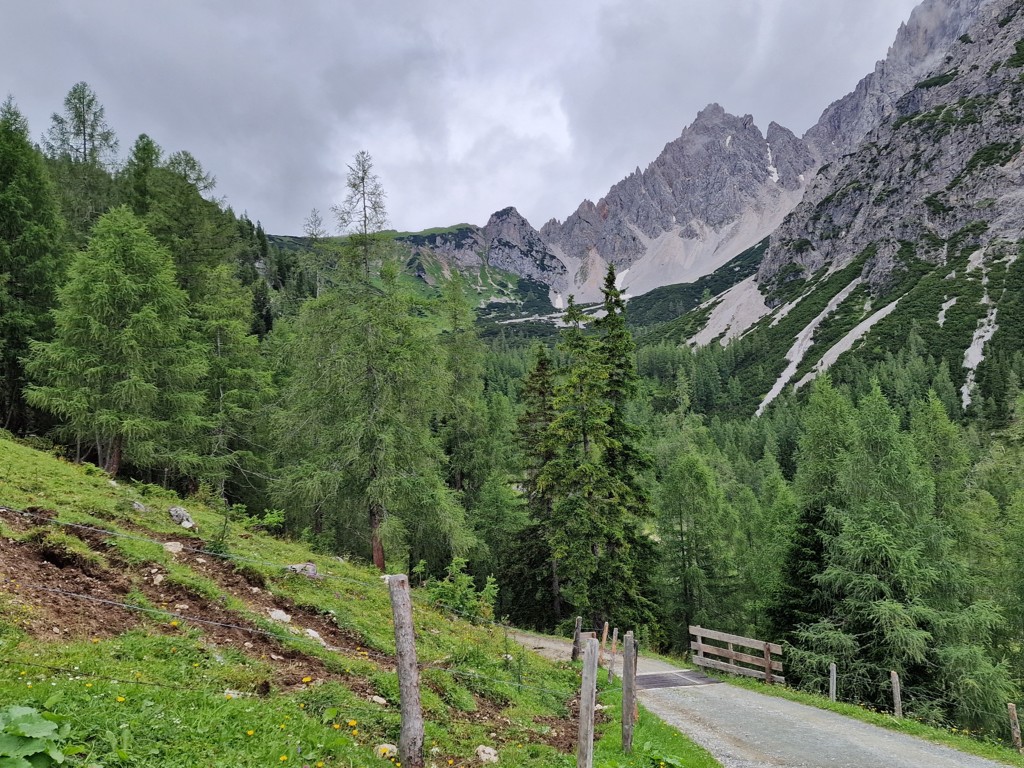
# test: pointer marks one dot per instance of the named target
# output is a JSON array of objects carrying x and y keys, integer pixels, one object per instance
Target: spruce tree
[
  {"x": 123, "y": 368},
  {"x": 31, "y": 259}
]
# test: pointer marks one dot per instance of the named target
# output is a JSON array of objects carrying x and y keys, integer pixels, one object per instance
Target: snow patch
[
  {"x": 942, "y": 312},
  {"x": 846, "y": 343},
  {"x": 558, "y": 301},
  {"x": 803, "y": 343},
  {"x": 728, "y": 140},
  {"x": 772, "y": 170}
]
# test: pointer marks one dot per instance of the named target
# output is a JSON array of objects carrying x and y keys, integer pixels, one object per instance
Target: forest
[{"x": 609, "y": 471}]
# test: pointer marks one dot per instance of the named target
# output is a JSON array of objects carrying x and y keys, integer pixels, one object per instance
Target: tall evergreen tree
[
  {"x": 356, "y": 434},
  {"x": 31, "y": 258},
  {"x": 82, "y": 148},
  {"x": 122, "y": 371},
  {"x": 822, "y": 456}
]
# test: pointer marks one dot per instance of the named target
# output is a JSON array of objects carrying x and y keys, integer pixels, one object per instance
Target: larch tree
[
  {"x": 31, "y": 258},
  {"x": 82, "y": 149},
  {"x": 122, "y": 371},
  {"x": 356, "y": 437}
]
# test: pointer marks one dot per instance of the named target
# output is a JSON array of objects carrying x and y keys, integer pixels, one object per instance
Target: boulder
[{"x": 181, "y": 516}]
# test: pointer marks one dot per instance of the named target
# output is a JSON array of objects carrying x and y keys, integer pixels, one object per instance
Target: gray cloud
[{"x": 465, "y": 106}]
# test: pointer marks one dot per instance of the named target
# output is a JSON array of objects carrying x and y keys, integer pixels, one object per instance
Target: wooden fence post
[
  {"x": 832, "y": 681},
  {"x": 588, "y": 699},
  {"x": 410, "y": 738},
  {"x": 604, "y": 639},
  {"x": 576, "y": 639},
  {"x": 897, "y": 700},
  {"x": 1014, "y": 726},
  {"x": 628, "y": 692},
  {"x": 767, "y": 664},
  {"x": 611, "y": 664}
]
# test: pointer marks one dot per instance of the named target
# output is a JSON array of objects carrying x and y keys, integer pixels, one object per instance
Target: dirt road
[{"x": 744, "y": 729}]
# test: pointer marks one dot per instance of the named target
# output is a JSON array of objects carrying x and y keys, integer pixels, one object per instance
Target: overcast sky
[{"x": 466, "y": 106}]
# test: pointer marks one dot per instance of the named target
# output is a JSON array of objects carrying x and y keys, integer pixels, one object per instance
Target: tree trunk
[
  {"x": 113, "y": 463},
  {"x": 376, "y": 516},
  {"x": 556, "y": 591}
]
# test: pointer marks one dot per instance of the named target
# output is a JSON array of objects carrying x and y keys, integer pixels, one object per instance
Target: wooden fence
[{"x": 759, "y": 664}]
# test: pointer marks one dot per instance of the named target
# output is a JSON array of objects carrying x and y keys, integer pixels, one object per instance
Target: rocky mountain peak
[
  {"x": 919, "y": 47},
  {"x": 944, "y": 167}
]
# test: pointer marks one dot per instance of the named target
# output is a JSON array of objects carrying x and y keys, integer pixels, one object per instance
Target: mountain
[
  {"x": 715, "y": 191},
  {"x": 911, "y": 240},
  {"x": 920, "y": 46}
]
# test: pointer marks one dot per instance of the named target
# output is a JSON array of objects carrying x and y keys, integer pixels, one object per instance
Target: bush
[{"x": 457, "y": 592}]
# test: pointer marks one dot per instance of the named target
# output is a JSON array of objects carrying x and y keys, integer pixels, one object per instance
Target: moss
[{"x": 938, "y": 80}]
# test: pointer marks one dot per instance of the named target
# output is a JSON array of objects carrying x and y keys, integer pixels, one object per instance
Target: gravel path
[{"x": 744, "y": 729}]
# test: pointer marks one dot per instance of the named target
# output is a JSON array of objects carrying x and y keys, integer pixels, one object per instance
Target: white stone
[
  {"x": 174, "y": 547},
  {"x": 379, "y": 700},
  {"x": 279, "y": 615},
  {"x": 486, "y": 754}
]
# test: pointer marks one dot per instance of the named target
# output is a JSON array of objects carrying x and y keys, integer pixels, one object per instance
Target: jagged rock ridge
[{"x": 948, "y": 158}]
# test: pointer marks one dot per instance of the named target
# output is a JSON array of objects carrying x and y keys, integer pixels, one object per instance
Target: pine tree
[
  {"x": 237, "y": 383},
  {"x": 356, "y": 438},
  {"x": 122, "y": 371},
  {"x": 31, "y": 258},
  {"x": 822, "y": 455},
  {"x": 82, "y": 149}
]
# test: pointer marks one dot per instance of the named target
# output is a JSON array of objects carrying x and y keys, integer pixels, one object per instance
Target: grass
[{"x": 146, "y": 688}]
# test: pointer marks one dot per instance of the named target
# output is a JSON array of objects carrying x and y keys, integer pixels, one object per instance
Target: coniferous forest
[{"x": 601, "y": 471}]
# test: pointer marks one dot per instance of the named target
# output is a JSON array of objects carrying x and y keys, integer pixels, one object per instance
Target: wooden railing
[{"x": 759, "y": 664}]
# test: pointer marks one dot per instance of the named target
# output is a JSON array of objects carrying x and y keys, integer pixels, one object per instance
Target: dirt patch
[{"x": 63, "y": 597}]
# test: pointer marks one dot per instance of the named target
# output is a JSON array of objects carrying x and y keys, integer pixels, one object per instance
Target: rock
[
  {"x": 314, "y": 635},
  {"x": 275, "y": 657},
  {"x": 386, "y": 751},
  {"x": 304, "y": 569},
  {"x": 181, "y": 516},
  {"x": 486, "y": 754},
  {"x": 200, "y": 560},
  {"x": 174, "y": 547},
  {"x": 599, "y": 707},
  {"x": 379, "y": 700},
  {"x": 138, "y": 506},
  {"x": 247, "y": 645},
  {"x": 158, "y": 579},
  {"x": 278, "y": 615},
  {"x": 113, "y": 483}
]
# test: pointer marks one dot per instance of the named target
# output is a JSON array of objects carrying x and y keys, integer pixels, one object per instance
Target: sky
[{"x": 466, "y": 106}]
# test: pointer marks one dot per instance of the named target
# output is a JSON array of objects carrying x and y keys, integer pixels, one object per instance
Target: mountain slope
[{"x": 166, "y": 647}]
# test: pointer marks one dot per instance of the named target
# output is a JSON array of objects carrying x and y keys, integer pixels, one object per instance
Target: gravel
[{"x": 744, "y": 729}]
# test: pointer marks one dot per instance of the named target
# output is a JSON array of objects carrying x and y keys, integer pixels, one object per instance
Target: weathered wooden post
[
  {"x": 628, "y": 692},
  {"x": 588, "y": 699},
  {"x": 410, "y": 738},
  {"x": 768, "y": 664},
  {"x": 604, "y": 639},
  {"x": 576, "y": 638},
  {"x": 611, "y": 664},
  {"x": 1014, "y": 726},
  {"x": 897, "y": 700},
  {"x": 832, "y": 681}
]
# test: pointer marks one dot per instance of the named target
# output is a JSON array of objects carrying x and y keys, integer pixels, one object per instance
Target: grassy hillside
[{"x": 158, "y": 658}]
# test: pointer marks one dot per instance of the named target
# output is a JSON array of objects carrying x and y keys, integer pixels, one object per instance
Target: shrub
[{"x": 457, "y": 593}]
